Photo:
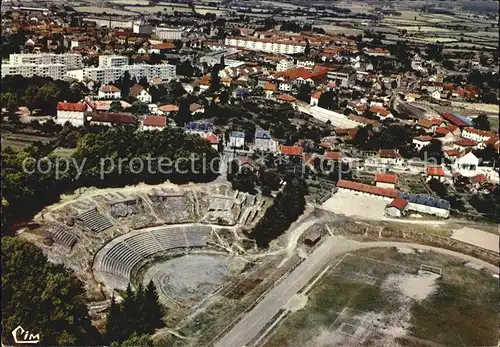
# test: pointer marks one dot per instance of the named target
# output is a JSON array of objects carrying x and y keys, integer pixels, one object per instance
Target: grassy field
[
  {"x": 378, "y": 298},
  {"x": 63, "y": 152}
]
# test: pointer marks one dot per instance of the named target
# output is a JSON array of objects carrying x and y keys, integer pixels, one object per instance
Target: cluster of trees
[
  {"x": 44, "y": 298},
  {"x": 482, "y": 122},
  {"x": 391, "y": 137},
  {"x": 36, "y": 92},
  {"x": 288, "y": 205},
  {"x": 140, "y": 313},
  {"x": 25, "y": 193}
]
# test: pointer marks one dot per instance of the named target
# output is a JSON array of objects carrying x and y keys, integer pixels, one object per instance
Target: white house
[
  {"x": 421, "y": 141},
  {"x": 285, "y": 86},
  {"x": 284, "y": 64},
  {"x": 109, "y": 92},
  {"x": 237, "y": 139},
  {"x": 141, "y": 94},
  {"x": 466, "y": 164},
  {"x": 73, "y": 113},
  {"x": 396, "y": 208},
  {"x": 264, "y": 141}
]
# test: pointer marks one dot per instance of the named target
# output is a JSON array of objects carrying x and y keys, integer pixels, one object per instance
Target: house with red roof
[
  {"x": 110, "y": 118},
  {"x": 332, "y": 155},
  {"x": 451, "y": 154},
  {"x": 72, "y": 112},
  {"x": 435, "y": 172},
  {"x": 452, "y": 119},
  {"x": 383, "y": 180},
  {"x": 287, "y": 98},
  {"x": 389, "y": 156},
  {"x": 367, "y": 190},
  {"x": 109, "y": 92},
  {"x": 291, "y": 151},
  {"x": 396, "y": 208},
  {"x": 476, "y": 134},
  {"x": 315, "y": 98},
  {"x": 212, "y": 139},
  {"x": 168, "y": 109},
  {"x": 429, "y": 125},
  {"x": 301, "y": 75},
  {"x": 269, "y": 89},
  {"x": 154, "y": 123},
  {"x": 444, "y": 135},
  {"x": 464, "y": 144}
]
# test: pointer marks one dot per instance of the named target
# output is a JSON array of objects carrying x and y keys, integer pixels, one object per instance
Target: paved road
[{"x": 254, "y": 321}]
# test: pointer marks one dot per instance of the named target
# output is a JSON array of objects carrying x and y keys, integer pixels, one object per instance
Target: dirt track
[{"x": 251, "y": 325}]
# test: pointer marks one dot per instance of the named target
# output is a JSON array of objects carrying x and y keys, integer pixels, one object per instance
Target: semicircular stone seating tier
[{"x": 113, "y": 264}]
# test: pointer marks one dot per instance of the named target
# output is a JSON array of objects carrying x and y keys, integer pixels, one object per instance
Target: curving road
[{"x": 256, "y": 320}]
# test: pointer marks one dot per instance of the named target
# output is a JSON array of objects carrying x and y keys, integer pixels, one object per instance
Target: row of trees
[
  {"x": 140, "y": 313},
  {"x": 26, "y": 188},
  {"x": 36, "y": 92},
  {"x": 286, "y": 208},
  {"x": 42, "y": 297}
]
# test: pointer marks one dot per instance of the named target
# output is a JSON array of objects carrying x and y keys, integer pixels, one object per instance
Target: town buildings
[
  {"x": 267, "y": 45},
  {"x": 50, "y": 65},
  {"x": 74, "y": 113}
]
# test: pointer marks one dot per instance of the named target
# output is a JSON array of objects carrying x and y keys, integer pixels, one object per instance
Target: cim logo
[{"x": 24, "y": 336}]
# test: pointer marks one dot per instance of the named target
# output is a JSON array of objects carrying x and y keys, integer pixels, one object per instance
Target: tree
[
  {"x": 433, "y": 152},
  {"x": 438, "y": 187},
  {"x": 152, "y": 308},
  {"x": 326, "y": 100},
  {"x": 270, "y": 180},
  {"x": 224, "y": 97},
  {"x": 185, "y": 69},
  {"x": 305, "y": 93},
  {"x": 286, "y": 208},
  {"x": 184, "y": 115},
  {"x": 245, "y": 180},
  {"x": 307, "y": 50},
  {"x": 46, "y": 298},
  {"x": 214, "y": 78},
  {"x": 138, "y": 107},
  {"x": 113, "y": 323},
  {"x": 135, "y": 341},
  {"x": 482, "y": 122},
  {"x": 115, "y": 106},
  {"x": 125, "y": 84}
]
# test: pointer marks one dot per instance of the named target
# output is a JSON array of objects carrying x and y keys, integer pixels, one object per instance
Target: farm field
[{"x": 380, "y": 297}]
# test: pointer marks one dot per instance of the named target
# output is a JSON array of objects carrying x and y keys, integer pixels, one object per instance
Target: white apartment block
[
  {"x": 165, "y": 33},
  {"x": 266, "y": 45},
  {"x": 112, "y": 60},
  {"x": 72, "y": 61},
  {"x": 165, "y": 72},
  {"x": 284, "y": 65},
  {"x": 54, "y": 71},
  {"x": 142, "y": 28}
]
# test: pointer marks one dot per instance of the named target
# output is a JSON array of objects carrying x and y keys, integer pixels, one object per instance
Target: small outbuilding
[
  {"x": 396, "y": 208},
  {"x": 312, "y": 238}
]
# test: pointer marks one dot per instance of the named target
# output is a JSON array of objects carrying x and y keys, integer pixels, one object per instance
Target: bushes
[
  {"x": 286, "y": 208},
  {"x": 42, "y": 297}
]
